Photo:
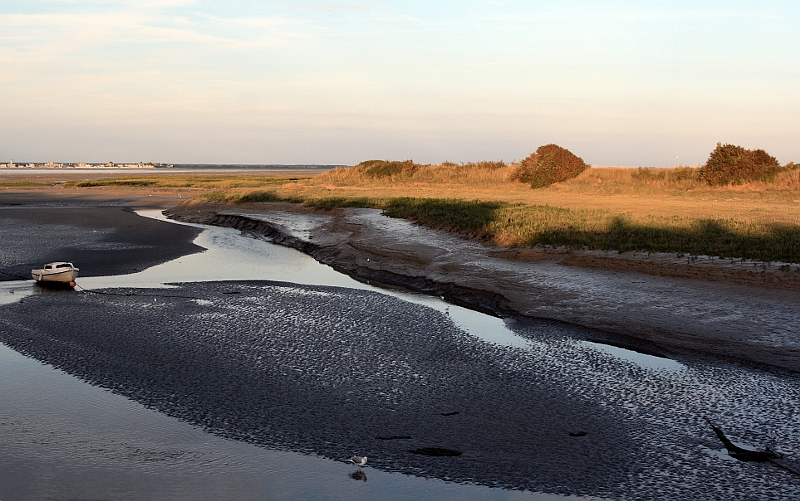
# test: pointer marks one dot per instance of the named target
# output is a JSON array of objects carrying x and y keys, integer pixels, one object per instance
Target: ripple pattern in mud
[{"x": 331, "y": 371}]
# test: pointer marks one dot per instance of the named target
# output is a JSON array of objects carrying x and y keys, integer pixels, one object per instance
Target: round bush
[
  {"x": 549, "y": 164},
  {"x": 731, "y": 164}
]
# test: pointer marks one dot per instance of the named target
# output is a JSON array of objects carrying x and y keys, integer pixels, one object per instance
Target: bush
[
  {"x": 673, "y": 175},
  {"x": 382, "y": 168},
  {"x": 730, "y": 164},
  {"x": 549, "y": 164},
  {"x": 488, "y": 165}
]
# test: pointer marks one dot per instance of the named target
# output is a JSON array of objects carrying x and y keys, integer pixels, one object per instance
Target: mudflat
[
  {"x": 656, "y": 303},
  {"x": 332, "y": 371},
  {"x": 733, "y": 316},
  {"x": 100, "y": 234}
]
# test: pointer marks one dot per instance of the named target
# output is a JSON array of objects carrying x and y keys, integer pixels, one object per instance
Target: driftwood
[{"x": 742, "y": 454}]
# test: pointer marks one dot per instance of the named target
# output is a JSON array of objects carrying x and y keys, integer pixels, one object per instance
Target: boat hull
[{"x": 59, "y": 276}]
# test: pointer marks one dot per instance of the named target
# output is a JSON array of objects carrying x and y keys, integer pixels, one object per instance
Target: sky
[{"x": 639, "y": 83}]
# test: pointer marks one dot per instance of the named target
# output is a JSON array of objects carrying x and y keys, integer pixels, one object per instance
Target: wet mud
[
  {"x": 666, "y": 315},
  {"x": 334, "y": 372},
  {"x": 331, "y": 371},
  {"x": 101, "y": 240}
]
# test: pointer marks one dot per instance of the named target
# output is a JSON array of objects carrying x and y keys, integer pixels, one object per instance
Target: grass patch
[
  {"x": 343, "y": 202},
  {"x": 243, "y": 197},
  {"x": 678, "y": 176},
  {"x": 646, "y": 209},
  {"x": 22, "y": 184},
  {"x": 384, "y": 172},
  {"x": 216, "y": 182},
  {"x": 537, "y": 225},
  {"x": 471, "y": 217},
  {"x": 379, "y": 169},
  {"x": 531, "y": 225}
]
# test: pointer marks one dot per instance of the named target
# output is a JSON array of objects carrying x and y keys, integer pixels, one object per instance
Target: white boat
[{"x": 59, "y": 272}]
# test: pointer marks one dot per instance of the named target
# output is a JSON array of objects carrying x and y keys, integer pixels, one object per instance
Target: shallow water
[
  {"x": 85, "y": 442},
  {"x": 64, "y": 439},
  {"x": 641, "y": 359},
  {"x": 229, "y": 256},
  {"x": 81, "y": 441}
]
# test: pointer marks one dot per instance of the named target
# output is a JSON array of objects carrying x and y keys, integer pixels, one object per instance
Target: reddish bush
[
  {"x": 730, "y": 164},
  {"x": 549, "y": 164}
]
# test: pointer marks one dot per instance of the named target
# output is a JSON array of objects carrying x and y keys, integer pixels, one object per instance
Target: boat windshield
[{"x": 64, "y": 265}]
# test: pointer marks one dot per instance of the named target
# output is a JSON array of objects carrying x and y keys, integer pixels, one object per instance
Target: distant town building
[{"x": 84, "y": 165}]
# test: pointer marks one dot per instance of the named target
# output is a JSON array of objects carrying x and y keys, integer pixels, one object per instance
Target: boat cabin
[{"x": 52, "y": 266}]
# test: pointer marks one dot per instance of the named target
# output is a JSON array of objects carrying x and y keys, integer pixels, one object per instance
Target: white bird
[{"x": 358, "y": 460}]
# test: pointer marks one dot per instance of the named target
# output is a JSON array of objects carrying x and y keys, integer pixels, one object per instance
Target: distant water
[
  {"x": 178, "y": 168},
  {"x": 257, "y": 166}
]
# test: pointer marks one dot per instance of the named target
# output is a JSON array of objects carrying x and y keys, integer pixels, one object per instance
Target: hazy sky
[{"x": 616, "y": 82}]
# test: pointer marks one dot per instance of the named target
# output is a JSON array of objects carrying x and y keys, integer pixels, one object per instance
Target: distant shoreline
[{"x": 30, "y": 166}]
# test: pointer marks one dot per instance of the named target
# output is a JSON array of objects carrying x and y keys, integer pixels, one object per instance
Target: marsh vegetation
[{"x": 753, "y": 216}]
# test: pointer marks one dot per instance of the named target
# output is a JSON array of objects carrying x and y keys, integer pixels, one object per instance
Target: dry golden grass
[
  {"x": 611, "y": 208},
  {"x": 476, "y": 174},
  {"x": 638, "y": 193},
  {"x": 190, "y": 181}
]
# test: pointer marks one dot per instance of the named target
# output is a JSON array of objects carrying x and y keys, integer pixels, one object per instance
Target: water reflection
[
  {"x": 641, "y": 359},
  {"x": 358, "y": 475},
  {"x": 13, "y": 291},
  {"x": 82, "y": 442}
]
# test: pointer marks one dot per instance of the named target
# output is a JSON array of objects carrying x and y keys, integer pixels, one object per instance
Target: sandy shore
[{"x": 750, "y": 315}]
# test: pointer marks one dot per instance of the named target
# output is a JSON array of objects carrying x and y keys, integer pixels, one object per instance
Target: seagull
[{"x": 358, "y": 460}]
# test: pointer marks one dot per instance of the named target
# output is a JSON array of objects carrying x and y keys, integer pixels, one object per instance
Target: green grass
[
  {"x": 530, "y": 225},
  {"x": 22, "y": 184},
  {"x": 520, "y": 217},
  {"x": 248, "y": 197},
  {"x": 221, "y": 182},
  {"x": 538, "y": 225}
]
